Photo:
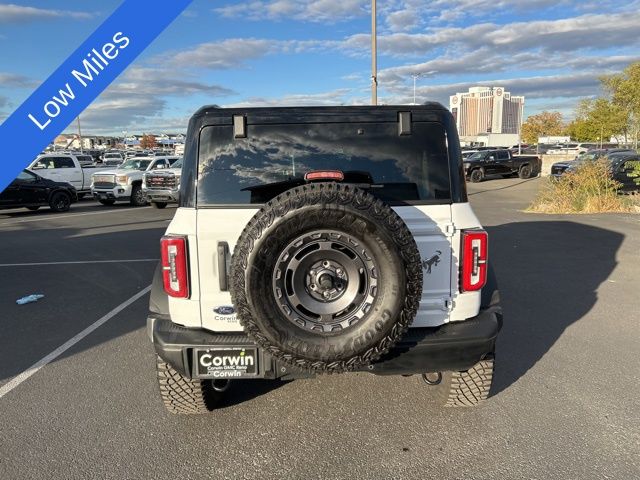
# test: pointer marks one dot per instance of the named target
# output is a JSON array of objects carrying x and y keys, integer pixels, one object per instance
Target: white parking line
[
  {"x": 77, "y": 263},
  {"x": 18, "y": 379},
  {"x": 55, "y": 217}
]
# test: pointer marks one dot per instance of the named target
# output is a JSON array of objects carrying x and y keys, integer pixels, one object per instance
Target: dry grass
[{"x": 587, "y": 189}]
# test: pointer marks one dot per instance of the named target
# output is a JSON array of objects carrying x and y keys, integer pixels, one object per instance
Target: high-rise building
[{"x": 487, "y": 110}]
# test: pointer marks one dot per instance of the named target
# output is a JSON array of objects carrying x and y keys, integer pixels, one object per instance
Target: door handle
[{"x": 223, "y": 266}]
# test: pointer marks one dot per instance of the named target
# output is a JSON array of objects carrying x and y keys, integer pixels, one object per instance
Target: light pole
[
  {"x": 374, "y": 56},
  {"x": 80, "y": 134},
  {"x": 415, "y": 77}
]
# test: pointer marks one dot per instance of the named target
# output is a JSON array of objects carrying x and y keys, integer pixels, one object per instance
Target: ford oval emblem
[{"x": 224, "y": 310}]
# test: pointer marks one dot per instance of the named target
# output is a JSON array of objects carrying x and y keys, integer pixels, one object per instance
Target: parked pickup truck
[
  {"x": 163, "y": 186},
  {"x": 500, "y": 162},
  {"x": 125, "y": 182},
  {"x": 67, "y": 168}
]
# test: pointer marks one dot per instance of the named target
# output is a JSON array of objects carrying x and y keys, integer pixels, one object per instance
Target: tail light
[
  {"x": 175, "y": 274},
  {"x": 475, "y": 254},
  {"x": 336, "y": 175}
]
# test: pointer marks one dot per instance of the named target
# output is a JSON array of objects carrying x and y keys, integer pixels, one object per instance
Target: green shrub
[
  {"x": 635, "y": 173},
  {"x": 589, "y": 188}
]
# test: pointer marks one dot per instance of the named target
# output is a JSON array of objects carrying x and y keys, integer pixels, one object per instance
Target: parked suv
[
  {"x": 323, "y": 240},
  {"x": 33, "y": 191}
]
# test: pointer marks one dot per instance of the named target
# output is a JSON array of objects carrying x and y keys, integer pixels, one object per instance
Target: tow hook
[
  {"x": 432, "y": 378},
  {"x": 220, "y": 385}
]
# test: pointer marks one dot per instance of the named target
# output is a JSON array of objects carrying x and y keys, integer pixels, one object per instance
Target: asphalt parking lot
[{"x": 565, "y": 402}]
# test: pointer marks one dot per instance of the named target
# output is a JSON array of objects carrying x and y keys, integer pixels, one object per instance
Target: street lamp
[
  {"x": 374, "y": 56},
  {"x": 415, "y": 77}
]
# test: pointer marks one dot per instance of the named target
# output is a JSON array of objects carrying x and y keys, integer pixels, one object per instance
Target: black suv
[{"x": 33, "y": 191}]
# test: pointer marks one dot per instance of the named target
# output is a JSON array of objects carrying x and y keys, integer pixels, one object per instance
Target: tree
[
  {"x": 148, "y": 141},
  {"x": 542, "y": 124},
  {"x": 624, "y": 90},
  {"x": 581, "y": 131},
  {"x": 597, "y": 120}
]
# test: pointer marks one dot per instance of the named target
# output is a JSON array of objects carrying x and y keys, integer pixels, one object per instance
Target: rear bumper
[{"x": 452, "y": 347}]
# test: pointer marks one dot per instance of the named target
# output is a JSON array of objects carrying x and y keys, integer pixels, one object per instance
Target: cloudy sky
[{"x": 316, "y": 52}]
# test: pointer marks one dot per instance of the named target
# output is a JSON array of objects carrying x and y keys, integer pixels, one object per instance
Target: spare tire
[{"x": 326, "y": 277}]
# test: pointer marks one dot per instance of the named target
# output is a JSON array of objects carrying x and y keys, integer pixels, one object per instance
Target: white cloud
[
  {"x": 162, "y": 81},
  {"x": 578, "y": 33},
  {"x": 333, "y": 97},
  {"x": 138, "y": 100},
  {"x": 328, "y": 11},
  {"x": 11, "y": 13},
  {"x": 15, "y": 80},
  {"x": 569, "y": 86},
  {"x": 221, "y": 55},
  {"x": 403, "y": 20}
]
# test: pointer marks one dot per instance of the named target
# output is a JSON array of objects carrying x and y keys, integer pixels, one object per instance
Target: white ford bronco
[{"x": 323, "y": 240}]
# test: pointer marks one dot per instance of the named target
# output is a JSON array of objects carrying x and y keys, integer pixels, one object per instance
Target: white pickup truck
[
  {"x": 163, "y": 186},
  {"x": 125, "y": 182},
  {"x": 66, "y": 167}
]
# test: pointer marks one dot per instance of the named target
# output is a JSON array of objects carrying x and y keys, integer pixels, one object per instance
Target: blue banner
[{"x": 80, "y": 79}]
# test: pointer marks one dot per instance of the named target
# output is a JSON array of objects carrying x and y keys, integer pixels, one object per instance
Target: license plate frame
[{"x": 226, "y": 362}]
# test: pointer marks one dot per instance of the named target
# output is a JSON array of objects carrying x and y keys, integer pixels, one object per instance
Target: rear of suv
[{"x": 323, "y": 240}]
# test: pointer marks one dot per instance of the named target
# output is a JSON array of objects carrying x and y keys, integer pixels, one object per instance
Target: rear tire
[
  {"x": 181, "y": 395},
  {"x": 107, "y": 202},
  {"x": 138, "y": 198},
  {"x": 159, "y": 205},
  {"x": 468, "y": 388},
  {"x": 525, "y": 171},
  {"x": 476, "y": 175},
  {"x": 60, "y": 202}
]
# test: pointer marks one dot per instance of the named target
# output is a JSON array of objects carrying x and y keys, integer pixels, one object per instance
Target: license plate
[{"x": 226, "y": 362}]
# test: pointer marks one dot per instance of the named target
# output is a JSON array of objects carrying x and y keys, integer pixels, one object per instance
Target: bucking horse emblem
[{"x": 431, "y": 262}]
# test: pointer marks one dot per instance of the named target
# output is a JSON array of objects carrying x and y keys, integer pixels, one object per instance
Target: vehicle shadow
[
  {"x": 548, "y": 275},
  {"x": 496, "y": 177},
  {"x": 241, "y": 391}
]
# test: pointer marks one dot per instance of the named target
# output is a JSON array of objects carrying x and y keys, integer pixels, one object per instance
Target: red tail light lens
[
  {"x": 336, "y": 175},
  {"x": 475, "y": 254},
  {"x": 175, "y": 274}
]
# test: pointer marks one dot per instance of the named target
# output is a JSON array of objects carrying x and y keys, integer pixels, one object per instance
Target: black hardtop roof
[{"x": 288, "y": 114}]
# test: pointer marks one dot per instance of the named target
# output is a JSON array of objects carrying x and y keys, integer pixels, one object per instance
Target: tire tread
[
  {"x": 468, "y": 388},
  {"x": 181, "y": 395}
]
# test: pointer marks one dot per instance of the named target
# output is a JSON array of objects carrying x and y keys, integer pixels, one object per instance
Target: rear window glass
[{"x": 273, "y": 158}]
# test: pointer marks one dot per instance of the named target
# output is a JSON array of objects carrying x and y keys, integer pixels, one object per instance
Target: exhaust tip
[
  {"x": 432, "y": 378},
  {"x": 220, "y": 385}
]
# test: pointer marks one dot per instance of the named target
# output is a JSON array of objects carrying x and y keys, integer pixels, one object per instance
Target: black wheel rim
[
  {"x": 526, "y": 171},
  {"x": 325, "y": 281},
  {"x": 476, "y": 175},
  {"x": 61, "y": 202},
  {"x": 139, "y": 196}
]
